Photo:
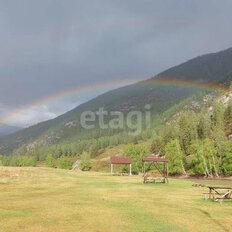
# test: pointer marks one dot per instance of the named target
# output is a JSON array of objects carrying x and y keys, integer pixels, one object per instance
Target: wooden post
[
  {"x": 164, "y": 168},
  {"x": 130, "y": 169},
  {"x": 167, "y": 172},
  {"x": 112, "y": 169}
]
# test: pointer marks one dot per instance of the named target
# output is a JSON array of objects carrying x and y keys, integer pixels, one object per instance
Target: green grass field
[{"x": 42, "y": 199}]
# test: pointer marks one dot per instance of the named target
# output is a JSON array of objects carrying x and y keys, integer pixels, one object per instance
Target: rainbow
[
  {"x": 103, "y": 86},
  {"x": 177, "y": 82}
]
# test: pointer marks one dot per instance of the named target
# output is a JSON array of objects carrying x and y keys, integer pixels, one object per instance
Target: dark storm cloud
[{"x": 49, "y": 46}]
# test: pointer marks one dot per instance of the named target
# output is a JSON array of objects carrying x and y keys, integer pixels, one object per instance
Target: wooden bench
[
  {"x": 154, "y": 179},
  {"x": 226, "y": 196},
  {"x": 217, "y": 195},
  {"x": 121, "y": 174}
]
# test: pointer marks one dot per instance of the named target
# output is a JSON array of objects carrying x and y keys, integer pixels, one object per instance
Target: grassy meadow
[{"x": 48, "y": 200}]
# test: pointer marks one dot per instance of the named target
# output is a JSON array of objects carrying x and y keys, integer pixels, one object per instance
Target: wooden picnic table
[{"x": 219, "y": 192}]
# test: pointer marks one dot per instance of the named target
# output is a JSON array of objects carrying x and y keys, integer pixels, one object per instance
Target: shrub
[
  {"x": 27, "y": 161},
  {"x": 50, "y": 161},
  {"x": 3, "y": 160},
  {"x": 227, "y": 160},
  {"x": 175, "y": 156},
  {"x": 22, "y": 161},
  {"x": 64, "y": 162},
  {"x": 205, "y": 160},
  {"x": 136, "y": 153},
  {"x": 85, "y": 164}
]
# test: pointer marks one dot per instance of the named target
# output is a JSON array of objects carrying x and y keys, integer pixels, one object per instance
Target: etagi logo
[{"x": 133, "y": 120}]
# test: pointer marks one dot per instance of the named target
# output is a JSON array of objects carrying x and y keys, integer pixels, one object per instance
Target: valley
[
  {"x": 164, "y": 116},
  {"x": 116, "y": 116},
  {"x": 43, "y": 199}
]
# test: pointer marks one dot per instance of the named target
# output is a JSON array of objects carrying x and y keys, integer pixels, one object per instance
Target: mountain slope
[
  {"x": 7, "y": 130},
  {"x": 210, "y": 68},
  {"x": 67, "y": 126}
]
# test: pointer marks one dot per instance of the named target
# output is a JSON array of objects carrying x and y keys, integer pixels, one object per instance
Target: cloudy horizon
[{"x": 51, "y": 46}]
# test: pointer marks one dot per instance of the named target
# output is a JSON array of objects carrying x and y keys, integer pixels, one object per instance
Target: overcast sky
[{"x": 50, "y": 46}]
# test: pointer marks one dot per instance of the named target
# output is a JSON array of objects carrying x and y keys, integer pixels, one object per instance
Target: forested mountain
[
  {"x": 199, "y": 143},
  {"x": 210, "y": 68}
]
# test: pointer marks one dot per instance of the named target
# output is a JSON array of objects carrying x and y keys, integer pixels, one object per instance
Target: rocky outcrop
[{"x": 76, "y": 166}]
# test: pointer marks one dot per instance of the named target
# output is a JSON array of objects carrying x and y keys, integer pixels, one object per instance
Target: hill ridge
[{"x": 200, "y": 69}]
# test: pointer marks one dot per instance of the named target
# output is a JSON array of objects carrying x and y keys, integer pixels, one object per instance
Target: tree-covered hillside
[
  {"x": 209, "y": 68},
  {"x": 66, "y": 128},
  {"x": 199, "y": 143}
]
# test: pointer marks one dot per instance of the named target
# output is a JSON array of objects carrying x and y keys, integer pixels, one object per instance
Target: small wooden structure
[
  {"x": 219, "y": 193},
  {"x": 155, "y": 161},
  {"x": 120, "y": 160}
]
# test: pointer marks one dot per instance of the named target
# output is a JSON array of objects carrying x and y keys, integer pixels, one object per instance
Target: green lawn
[{"x": 42, "y": 199}]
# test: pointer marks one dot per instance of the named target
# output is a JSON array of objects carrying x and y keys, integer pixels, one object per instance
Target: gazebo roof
[
  {"x": 120, "y": 160},
  {"x": 155, "y": 160}
]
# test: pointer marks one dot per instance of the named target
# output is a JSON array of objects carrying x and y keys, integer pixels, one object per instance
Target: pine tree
[
  {"x": 204, "y": 125},
  {"x": 220, "y": 139},
  {"x": 170, "y": 131},
  {"x": 188, "y": 130},
  {"x": 228, "y": 118},
  {"x": 157, "y": 145},
  {"x": 93, "y": 149},
  {"x": 228, "y": 111},
  {"x": 218, "y": 115}
]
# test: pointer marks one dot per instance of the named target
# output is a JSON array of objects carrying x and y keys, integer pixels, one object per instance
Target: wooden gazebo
[
  {"x": 163, "y": 169},
  {"x": 120, "y": 160}
]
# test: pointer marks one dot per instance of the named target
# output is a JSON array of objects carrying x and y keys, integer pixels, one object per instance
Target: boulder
[{"x": 76, "y": 166}]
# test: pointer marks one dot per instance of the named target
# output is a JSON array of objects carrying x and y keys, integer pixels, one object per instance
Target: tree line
[{"x": 198, "y": 143}]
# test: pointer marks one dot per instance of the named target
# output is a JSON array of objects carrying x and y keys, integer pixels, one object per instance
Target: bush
[
  {"x": 175, "y": 156},
  {"x": 227, "y": 160},
  {"x": 85, "y": 164},
  {"x": 22, "y": 161},
  {"x": 3, "y": 160},
  {"x": 64, "y": 162},
  {"x": 205, "y": 160},
  {"x": 13, "y": 161},
  {"x": 136, "y": 153},
  {"x": 27, "y": 161},
  {"x": 50, "y": 161}
]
